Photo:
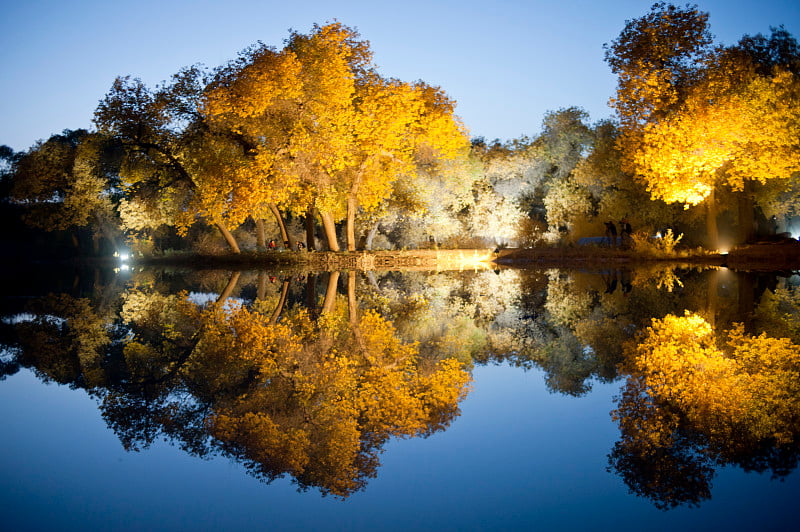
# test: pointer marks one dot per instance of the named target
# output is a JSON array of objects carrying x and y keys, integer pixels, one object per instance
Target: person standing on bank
[{"x": 611, "y": 233}]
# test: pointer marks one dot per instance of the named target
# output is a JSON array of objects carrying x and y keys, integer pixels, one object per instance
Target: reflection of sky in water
[{"x": 517, "y": 458}]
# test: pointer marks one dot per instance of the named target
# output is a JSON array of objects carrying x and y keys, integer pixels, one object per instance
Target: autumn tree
[
  {"x": 695, "y": 119},
  {"x": 313, "y": 395},
  {"x": 176, "y": 169},
  {"x": 328, "y": 133},
  {"x": 69, "y": 182}
]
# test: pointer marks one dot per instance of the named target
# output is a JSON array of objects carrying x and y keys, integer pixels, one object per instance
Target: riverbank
[
  {"x": 759, "y": 257},
  {"x": 406, "y": 260},
  {"x": 784, "y": 256}
]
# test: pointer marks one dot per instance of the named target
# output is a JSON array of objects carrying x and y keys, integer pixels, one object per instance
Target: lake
[{"x": 145, "y": 399}]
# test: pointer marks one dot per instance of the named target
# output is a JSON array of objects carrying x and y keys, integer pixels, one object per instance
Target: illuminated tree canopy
[
  {"x": 326, "y": 130},
  {"x": 696, "y": 399},
  {"x": 695, "y": 118}
]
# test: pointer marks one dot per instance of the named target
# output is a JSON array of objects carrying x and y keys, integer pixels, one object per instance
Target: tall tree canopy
[
  {"x": 695, "y": 118},
  {"x": 325, "y": 130}
]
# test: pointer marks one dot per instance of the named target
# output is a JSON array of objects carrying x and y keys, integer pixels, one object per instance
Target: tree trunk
[
  {"x": 278, "y": 309},
  {"x": 351, "y": 222},
  {"x": 261, "y": 236},
  {"x": 747, "y": 298},
  {"x": 226, "y": 292},
  {"x": 712, "y": 296},
  {"x": 711, "y": 222},
  {"x": 330, "y": 231},
  {"x": 311, "y": 241},
  {"x": 311, "y": 294},
  {"x": 229, "y": 238},
  {"x": 330, "y": 293},
  {"x": 352, "y": 304},
  {"x": 261, "y": 291},
  {"x": 278, "y": 218},
  {"x": 746, "y": 213}
]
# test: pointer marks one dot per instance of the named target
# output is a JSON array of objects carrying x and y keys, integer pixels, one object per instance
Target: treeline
[{"x": 310, "y": 144}]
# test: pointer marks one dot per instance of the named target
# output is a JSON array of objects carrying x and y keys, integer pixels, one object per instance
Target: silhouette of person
[{"x": 611, "y": 233}]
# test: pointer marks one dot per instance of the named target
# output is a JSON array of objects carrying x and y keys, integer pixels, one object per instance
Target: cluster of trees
[{"x": 313, "y": 138}]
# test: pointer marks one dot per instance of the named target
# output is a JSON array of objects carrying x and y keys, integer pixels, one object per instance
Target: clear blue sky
[{"x": 505, "y": 62}]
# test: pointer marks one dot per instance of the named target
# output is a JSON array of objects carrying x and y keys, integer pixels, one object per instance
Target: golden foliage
[
  {"x": 316, "y": 400},
  {"x": 323, "y": 127},
  {"x": 736, "y": 390}
]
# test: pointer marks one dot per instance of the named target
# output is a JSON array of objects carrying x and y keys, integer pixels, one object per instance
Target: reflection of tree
[
  {"x": 281, "y": 388},
  {"x": 315, "y": 399},
  {"x": 63, "y": 339},
  {"x": 696, "y": 400}
]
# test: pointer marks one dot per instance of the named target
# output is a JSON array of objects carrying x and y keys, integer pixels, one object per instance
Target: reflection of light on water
[{"x": 475, "y": 261}]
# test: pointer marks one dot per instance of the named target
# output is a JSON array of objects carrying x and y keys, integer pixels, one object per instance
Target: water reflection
[{"x": 309, "y": 374}]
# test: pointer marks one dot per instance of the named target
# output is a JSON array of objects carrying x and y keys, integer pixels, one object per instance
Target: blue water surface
[{"x": 518, "y": 458}]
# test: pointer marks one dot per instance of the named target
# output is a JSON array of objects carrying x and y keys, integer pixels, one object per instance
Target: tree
[
  {"x": 616, "y": 194},
  {"x": 694, "y": 119},
  {"x": 175, "y": 166},
  {"x": 696, "y": 399},
  {"x": 655, "y": 58},
  {"x": 327, "y": 131},
  {"x": 69, "y": 182}
]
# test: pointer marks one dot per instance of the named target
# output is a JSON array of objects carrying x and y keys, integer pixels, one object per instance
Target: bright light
[{"x": 124, "y": 256}]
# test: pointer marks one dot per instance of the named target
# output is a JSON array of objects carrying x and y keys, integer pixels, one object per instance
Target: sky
[{"x": 506, "y": 63}]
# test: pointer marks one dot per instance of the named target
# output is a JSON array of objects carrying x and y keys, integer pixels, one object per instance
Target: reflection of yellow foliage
[
  {"x": 746, "y": 388},
  {"x": 316, "y": 400}
]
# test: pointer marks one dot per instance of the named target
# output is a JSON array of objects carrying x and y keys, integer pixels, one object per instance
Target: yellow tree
[
  {"x": 170, "y": 153},
  {"x": 694, "y": 119},
  {"x": 325, "y": 131},
  {"x": 316, "y": 400},
  {"x": 258, "y": 99},
  {"x": 396, "y": 124},
  {"x": 66, "y": 182},
  {"x": 733, "y": 128}
]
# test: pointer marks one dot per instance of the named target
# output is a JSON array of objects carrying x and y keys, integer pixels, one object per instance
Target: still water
[{"x": 510, "y": 399}]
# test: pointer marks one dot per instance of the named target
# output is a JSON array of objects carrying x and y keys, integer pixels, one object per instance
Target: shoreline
[{"x": 754, "y": 257}]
